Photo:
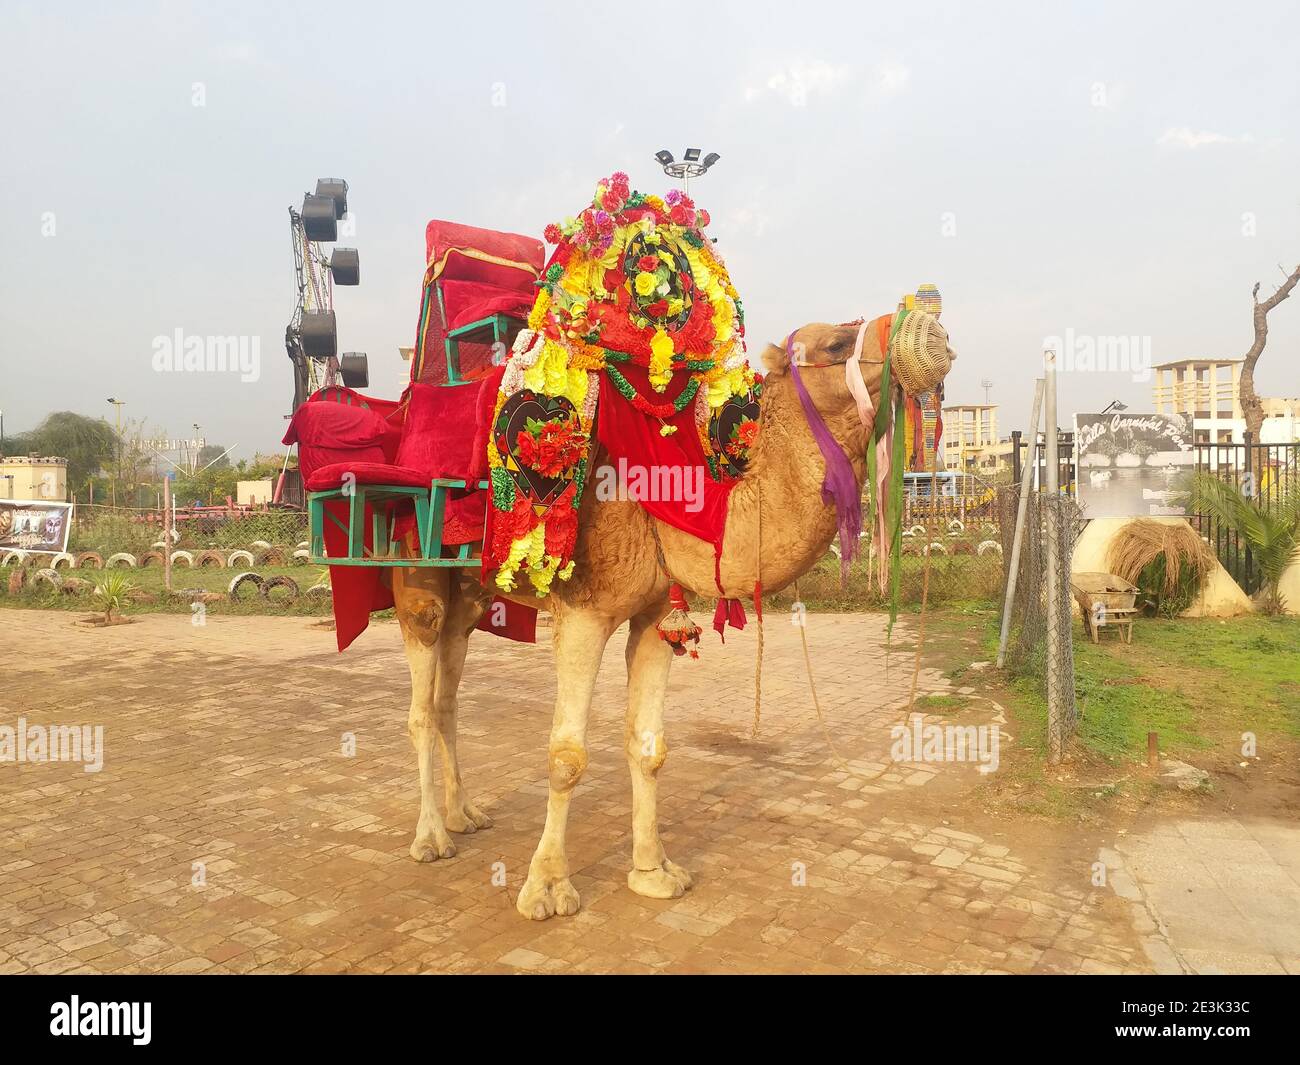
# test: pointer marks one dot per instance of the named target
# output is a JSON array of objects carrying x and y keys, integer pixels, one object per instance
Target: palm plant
[
  {"x": 1272, "y": 533},
  {"x": 111, "y": 592}
]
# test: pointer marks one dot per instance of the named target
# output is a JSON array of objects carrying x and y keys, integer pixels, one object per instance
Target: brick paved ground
[{"x": 224, "y": 746}]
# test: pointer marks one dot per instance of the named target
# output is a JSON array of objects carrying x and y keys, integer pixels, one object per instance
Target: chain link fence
[
  {"x": 112, "y": 529},
  {"x": 1036, "y": 648}
]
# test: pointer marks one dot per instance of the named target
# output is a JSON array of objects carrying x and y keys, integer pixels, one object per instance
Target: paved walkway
[
  {"x": 1214, "y": 896},
  {"x": 230, "y": 831}
]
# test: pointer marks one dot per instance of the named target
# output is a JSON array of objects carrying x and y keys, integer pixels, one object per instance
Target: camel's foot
[
  {"x": 466, "y": 817},
  {"x": 669, "y": 881},
  {"x": 430, "y": 846},
  {"x": 542, "y": 898}
]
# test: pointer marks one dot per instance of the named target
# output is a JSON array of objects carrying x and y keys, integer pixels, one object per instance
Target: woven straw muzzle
[{"x": 921, "y": 355}]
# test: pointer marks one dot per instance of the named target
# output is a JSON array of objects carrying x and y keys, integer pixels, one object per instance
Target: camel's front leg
[
  {"x": 580, "y": 638},
  {"x": 648, "y": 662},
  {"x": 466, "y": 609},
  {"x": 421, "y": 598}
]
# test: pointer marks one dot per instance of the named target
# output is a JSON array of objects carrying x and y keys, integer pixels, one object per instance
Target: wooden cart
[{"x": 1105, "y": 600}]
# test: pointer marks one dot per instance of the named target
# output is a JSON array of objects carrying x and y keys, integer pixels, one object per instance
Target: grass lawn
[{"x": 1200, "y": 684}]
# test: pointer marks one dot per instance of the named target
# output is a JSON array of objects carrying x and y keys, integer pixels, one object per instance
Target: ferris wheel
[{"x": 311, "y": 338}]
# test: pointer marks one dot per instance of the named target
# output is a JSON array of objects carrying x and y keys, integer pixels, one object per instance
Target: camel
[{"x": 777, "y": 528}]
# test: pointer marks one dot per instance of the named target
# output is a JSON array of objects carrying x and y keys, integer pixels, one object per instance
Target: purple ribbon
[{"x": 839, "y": 485}]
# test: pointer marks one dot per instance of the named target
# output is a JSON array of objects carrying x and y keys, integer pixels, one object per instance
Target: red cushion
[
  {"x": 327, "y": 477},
  {"x": 438, "y": 436},
  {"x": 472, "y": 301},
  {"x": 466, "y": 252},
  {"x": 328, "y": 433}
]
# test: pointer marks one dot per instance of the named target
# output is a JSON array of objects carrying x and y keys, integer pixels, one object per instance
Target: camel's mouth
[{"x": 921, "y": 353}]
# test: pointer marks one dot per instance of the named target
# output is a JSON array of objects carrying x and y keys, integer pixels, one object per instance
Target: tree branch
[{"x": 1283, "y": 290}]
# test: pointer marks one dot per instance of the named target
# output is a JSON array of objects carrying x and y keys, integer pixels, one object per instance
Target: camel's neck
[{"x": 776, "y": 510}]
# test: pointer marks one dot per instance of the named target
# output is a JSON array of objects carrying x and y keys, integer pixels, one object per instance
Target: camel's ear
[{"x": 775, "y": 359}]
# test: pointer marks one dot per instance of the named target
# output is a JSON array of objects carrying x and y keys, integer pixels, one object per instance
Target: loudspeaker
[
  {"x": 337, "y": 190},
  {"x": 319, "y": 333},
  {"x": 345, "y": 265},
  {"x": 318, "y": 218},
  {"x": 355, "y": 369}
]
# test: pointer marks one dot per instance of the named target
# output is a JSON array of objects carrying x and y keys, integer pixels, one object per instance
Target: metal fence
[
  {"x": 1037, "y": 649},
  {"x": 1265, "y": 472},
  {"x": 112, "y": 529}
]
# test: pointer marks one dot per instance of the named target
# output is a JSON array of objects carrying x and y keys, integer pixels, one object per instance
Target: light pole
[
  {"x": 118, "y": 404},
  {"x": 689, "y": 166}
]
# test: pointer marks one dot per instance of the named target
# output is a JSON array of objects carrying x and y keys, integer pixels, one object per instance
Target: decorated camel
[{"x": 634, "y": 362}]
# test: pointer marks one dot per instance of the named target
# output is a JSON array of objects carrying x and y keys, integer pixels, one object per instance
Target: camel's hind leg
[
  {"x": 648, "y": 662},
  {"x": 422, "y": 598},
  {"x": 468, "y": 604}
]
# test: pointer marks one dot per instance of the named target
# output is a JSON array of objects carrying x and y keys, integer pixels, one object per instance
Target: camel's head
[{"x": 920, "y": 359}]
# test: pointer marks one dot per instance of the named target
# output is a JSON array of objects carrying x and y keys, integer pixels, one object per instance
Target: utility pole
[
  {"x": 118, "y": 404},
  {"x": 1055, "y": 638}
]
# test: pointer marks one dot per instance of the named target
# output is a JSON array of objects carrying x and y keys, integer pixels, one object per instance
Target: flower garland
[{"x": 632, "y": 279}]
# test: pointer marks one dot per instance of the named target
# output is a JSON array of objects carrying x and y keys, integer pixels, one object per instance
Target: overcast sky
[{"x": 1110, "y": 169}]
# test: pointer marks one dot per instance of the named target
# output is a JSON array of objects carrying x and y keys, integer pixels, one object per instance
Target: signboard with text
[
  {"x": 32, "y": 526},
  {"x": 1133, "y": 465}
]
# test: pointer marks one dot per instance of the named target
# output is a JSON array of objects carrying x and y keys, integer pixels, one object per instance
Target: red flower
[
  {"x": 648, "y": 263},
  {"x": 526, "y": 446},
  {"x": 657, "y": 309},
  {"x": 702, "y": 217},
  {"x": 556, "y": 447},
  {"x": 552, "y": 234},
  {"x": 742, "y": 438},
  {"x": 562, "y": 526},
  {"x": 562, "y": 445},
  {"x": 509, "y": 526}
]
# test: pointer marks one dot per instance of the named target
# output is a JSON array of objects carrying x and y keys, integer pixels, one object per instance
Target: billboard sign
[
  {"x": 1133, "y": 465},
  {"x": 31, "y": 526}
]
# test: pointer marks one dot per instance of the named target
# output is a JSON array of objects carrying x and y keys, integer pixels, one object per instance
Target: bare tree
[{"x": 1251, "y": 405}]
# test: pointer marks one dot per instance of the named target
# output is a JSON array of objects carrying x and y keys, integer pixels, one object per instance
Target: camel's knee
[
  {"x": 647, "y": 751},
  {"x": 422, "y": 619},
  {"x": 421, "y": 728},
  {"x": 567, "y": 760}
]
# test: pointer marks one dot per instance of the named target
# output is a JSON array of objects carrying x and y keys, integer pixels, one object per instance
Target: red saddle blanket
[{"x": 443, "y": 433}]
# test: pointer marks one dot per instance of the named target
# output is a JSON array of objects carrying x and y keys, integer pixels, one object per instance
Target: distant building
[
  {"x": 250, "y": 493},
  {"x": 970, "y": 439},
  {"x": 1208, "y": 391},
  {"x": 42, "y": 479}
]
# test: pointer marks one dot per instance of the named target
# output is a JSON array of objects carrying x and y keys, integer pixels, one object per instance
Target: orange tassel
[{"x": 677, "y": 629}]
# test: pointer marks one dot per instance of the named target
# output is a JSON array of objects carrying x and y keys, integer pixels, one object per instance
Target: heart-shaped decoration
[
  {"x": 513, "y": 418},
  {"x": 725, "y": 435}
]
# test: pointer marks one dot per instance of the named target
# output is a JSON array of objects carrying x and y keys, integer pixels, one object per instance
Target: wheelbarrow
[{"x": 1105, "y": 600}]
